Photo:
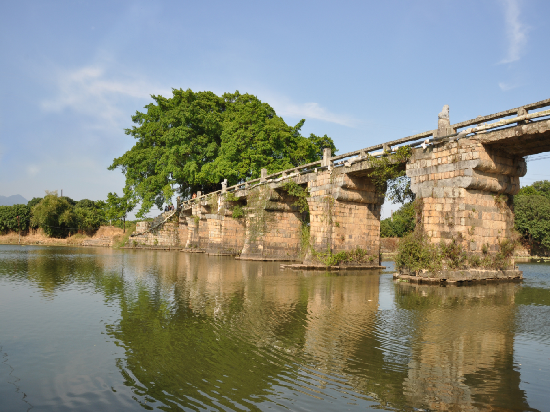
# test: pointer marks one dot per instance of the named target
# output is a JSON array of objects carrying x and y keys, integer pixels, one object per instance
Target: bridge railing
[
  {"x": 521, "y": 114},
  {"x": 249, "y": 184}
]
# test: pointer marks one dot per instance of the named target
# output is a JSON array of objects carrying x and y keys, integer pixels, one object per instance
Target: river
[{"x": 117, "y": 330}]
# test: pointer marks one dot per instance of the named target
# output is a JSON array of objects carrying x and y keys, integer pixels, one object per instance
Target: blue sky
[{"x": 73, "y": 72}]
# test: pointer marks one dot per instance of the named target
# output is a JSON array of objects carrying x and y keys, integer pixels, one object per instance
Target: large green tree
[
  {"x": 117, "y": 207},
  {"x": 90, "y": 215},
  {"x": 193, "y": 140},
  {"x": 55, "y": 215}
]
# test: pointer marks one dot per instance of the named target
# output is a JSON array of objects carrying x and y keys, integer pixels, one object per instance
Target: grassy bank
[{"x": 38, "y": 237}]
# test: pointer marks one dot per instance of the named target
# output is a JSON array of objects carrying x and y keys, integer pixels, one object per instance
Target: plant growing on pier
[
  {"x": 237, "y": 212},
  {"x": 355, "y": 257},
  {"x": 231, "y": 197},
  {"x": 258, "y": 219},
  {"x": 388, "y": 175},
  {"x": 416, "y": 253},
  {"x": 212, "y": 200},
  {"x": 294, "y": 189}
]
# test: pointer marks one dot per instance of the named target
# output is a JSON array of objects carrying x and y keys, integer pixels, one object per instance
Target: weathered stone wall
[
  {"x": 166, "y": 235},
  {"x": 193, "y": 239},
  {"x": 273, "y": 226},
  {"x": 344, "y": 213},
  {"x": 225, "y": 234},
  {"x": 463, "y": 190},
  {"x": 182, "y": 231}
]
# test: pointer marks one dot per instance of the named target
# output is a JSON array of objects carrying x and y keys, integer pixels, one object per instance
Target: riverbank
[{"x": 106, "y": 236}]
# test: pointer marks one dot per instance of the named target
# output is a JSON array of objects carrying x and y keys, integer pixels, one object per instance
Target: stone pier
[
  {"x": 273, "y": 226},
  {"x": 225, "y": 234},
  {"x": 464, "y": 189},
  {"x": 344, "y": 213}
]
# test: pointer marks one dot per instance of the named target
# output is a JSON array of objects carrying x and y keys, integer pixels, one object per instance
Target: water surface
[{"x": 101, "y": 329}]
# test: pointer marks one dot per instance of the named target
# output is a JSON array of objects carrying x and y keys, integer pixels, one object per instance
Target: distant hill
[{"x": 12, "y": 200}]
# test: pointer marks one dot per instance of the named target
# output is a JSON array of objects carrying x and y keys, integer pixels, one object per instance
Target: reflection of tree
[
  {"x": 463, "y": 350},
  {"x": 529, "y": 295},
  {"x": 210, "y": 342},
  {"x": 51, "y": 269}
]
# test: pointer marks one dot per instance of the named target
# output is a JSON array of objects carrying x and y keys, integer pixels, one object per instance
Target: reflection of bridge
[
  {"x": 456, "y": 169},
  {"x": 440, "y": 349}
]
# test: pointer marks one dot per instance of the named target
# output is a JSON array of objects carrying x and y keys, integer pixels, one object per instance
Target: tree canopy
[
  {"x": 401, "y": 223},
  {"x": 532, "y": 213},
  {"x": 54, "y": 214},
  {"x": 193, "y": 140}
]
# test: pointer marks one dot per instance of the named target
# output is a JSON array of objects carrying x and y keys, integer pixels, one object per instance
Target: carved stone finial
[
  {"x": 443, "y": 118},
  {"x": 443, "y": 123}
]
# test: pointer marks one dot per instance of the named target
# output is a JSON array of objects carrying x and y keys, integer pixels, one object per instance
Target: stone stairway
[{"x": 145, "y": 227}]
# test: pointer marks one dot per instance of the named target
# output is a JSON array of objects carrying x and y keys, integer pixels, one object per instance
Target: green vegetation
[
  {"x": 55, "y": 215},
  {"x": 389, "y": 175},
  {"x": 401, "y": 223},
  {"x": 131, "y": 229},
  {"x": 193, "y": 140},
  {"x": 294, "y": 189},
  {"x": 416, "y": 253},
  {"x": 15, "y": 218},
  {"x": 532, "y": 214},
  {"x": 62, "y": 216},
  {"x": 117, "y": 208},
  {"x": 89, "y": 215},
  {"x": 237, "y": 212},
  {"x": 356, "y": 257}
]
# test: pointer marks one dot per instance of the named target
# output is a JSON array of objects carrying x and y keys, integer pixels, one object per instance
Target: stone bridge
[{"x": 463, "y": 172}]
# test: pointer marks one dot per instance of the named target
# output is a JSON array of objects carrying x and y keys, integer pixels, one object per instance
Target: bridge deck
[
  {"x": 521, "y": 135},
  {"x": 521, "y": 140}
]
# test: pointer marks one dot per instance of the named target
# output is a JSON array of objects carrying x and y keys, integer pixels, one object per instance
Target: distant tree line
[{"x": 61, "y": 216}]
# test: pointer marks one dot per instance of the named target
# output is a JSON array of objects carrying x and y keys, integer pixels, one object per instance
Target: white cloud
[
  {"x": 507, "y": 86},
  {"x": 516, "y": 31},
  {"x": 311, "y": 111},
  {"x": 100, "y": 93},
  {"x": 95, "y": 91},
  {"x": 32, "y": 170}
]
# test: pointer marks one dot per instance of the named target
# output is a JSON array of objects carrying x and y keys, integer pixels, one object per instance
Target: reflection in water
[
  {"x": 199, "y": 332},
  {"x": 463, "y": 350}
]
